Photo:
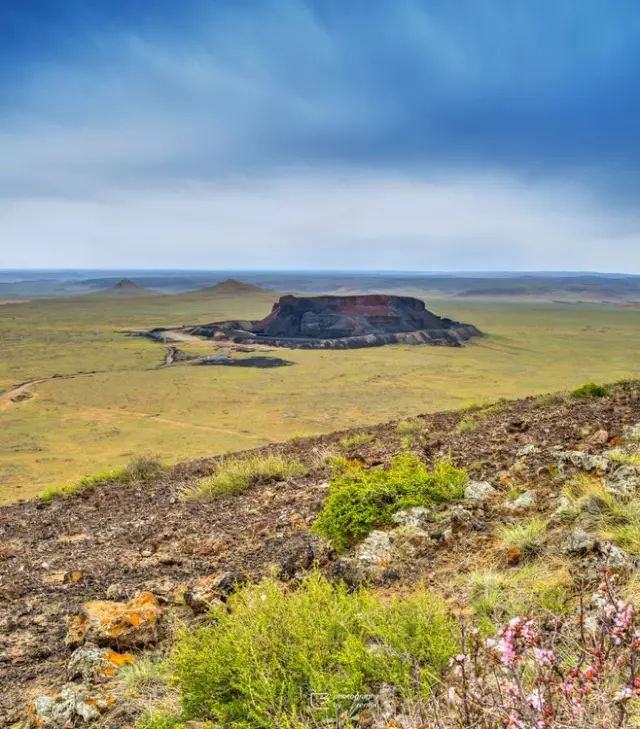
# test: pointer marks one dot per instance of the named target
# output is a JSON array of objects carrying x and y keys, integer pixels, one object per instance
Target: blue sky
[{"x": 397, "y": 134}]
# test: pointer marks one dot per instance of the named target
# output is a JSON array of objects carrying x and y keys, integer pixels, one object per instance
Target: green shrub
[
  {"x": 360, "y": 500},
  {"x": 591, "y": 389},
  {"x": 236, "y": 475},
  {"x": 271, "y": 654},
  {"x": 353, "y": 441},
  {"x": 144, "y": 468}
]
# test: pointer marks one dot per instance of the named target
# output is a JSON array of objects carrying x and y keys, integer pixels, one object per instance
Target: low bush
[
  {"x": 144, "y": 468},
  {"x": 278, "y": 658},
  {"x": 236, "y": 475},
  {"x": 591, "y": 389},
  {"x": 360, "y": 500}
]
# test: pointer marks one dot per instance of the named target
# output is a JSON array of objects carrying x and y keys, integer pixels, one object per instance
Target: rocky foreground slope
[{"x": 151, "y": 559}]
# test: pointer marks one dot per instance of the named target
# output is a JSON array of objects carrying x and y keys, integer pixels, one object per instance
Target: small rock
[
  {"x": 623, "y": 481},
  {"x": 479, "y": 490},
  {"x": 631, "y": 434},
  {"x": 349, "y": 571},
  {"x": 205, "y": 592},
  {"x": 90, "y": 663},
  {"x": 115, "y": 591},
  {"x": 579, "y": 542},
  {"x": 526, "y": 450},
  {"x": 526, "y": 500},
  {"x": 584, "y": 461},
  {"x": 514, "y": 555},
  {"x": 118, "y": 624},
  {"x": 376, "y": 549},
  {"x": 417, "y": 517},
  {"x": 67, "y": 707},
  {"x": 300, "y": 553},
  {"x": 461, "y": 518},
  {"x": 600, "y": 437},
  {"x": 615, "y": 558}
]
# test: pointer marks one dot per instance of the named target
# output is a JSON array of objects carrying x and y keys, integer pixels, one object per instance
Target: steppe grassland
[{"x": 94, "y": 422}]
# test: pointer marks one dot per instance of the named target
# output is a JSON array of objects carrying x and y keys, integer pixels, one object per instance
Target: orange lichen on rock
[{"x": 117, "y": 624}]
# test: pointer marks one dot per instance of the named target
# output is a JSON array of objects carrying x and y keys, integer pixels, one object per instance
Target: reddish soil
[{"x": 145, "y": 537}]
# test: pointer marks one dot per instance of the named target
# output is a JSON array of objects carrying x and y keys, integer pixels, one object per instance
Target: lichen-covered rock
[
  {"x": 583, "y": 461},
  {"x": 65, "y": 709},
  {"x": 479, "y": 490},
  {"x": 376, "y": 550},
  {"x": 136, "y": 623},
  {"x": 623, "y": 481},
  {"x": 579, "y": 542},
  {"x": 417, "y": 516},
  {"x": 205, "y": 592},
  {"x": 526, "y": 450},
  {"x": 526, "y": 500},
  {"x": 90, "y": 663}
]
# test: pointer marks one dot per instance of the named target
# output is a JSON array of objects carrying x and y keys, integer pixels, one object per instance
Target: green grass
[
  {"x": 467, "y": 424},
  {"x": 360, "y": 500},
  {"x": 144, "y": 468},
  {"x": 591, "y": 389},
  {"x": 536, "y": 588},
  {"x": 356, "y": 440},
  {"x": 527, "y": 537},
  {"x": 99, "y": 422},
  {"x": 233, "y": 476},
  {"x": 84, "y": 484},
  {"x": 282, "y": 658}
]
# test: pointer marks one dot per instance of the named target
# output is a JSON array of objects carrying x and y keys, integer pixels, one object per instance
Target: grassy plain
[{"x": 79, "y": 425}]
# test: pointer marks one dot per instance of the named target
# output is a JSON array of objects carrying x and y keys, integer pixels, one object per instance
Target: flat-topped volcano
[{"x": 336, "y": 322}]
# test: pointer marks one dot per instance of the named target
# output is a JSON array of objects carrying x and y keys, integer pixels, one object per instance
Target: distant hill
[
  {"x": 125, "y": 287},
  {"x": 231, "y": 287}
]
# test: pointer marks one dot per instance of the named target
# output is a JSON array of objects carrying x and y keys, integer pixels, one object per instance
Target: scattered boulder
[
  {"x": 479, "y": 490},
  {"x": 90, "y": 663},
  {"x": 205, "y": 592},
  {"x": 117, "y": 624},
  {"x": 64, "y": 709}
]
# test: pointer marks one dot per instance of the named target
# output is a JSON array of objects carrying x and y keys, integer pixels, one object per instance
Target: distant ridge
[{"x": 232, "y": 287}]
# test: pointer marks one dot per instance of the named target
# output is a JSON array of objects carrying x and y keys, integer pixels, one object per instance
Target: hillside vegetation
[{"x": 424, "y": 576}]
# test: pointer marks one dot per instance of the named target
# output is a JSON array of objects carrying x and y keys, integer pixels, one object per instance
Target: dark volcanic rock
[{"x": 343, "y": 322}]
